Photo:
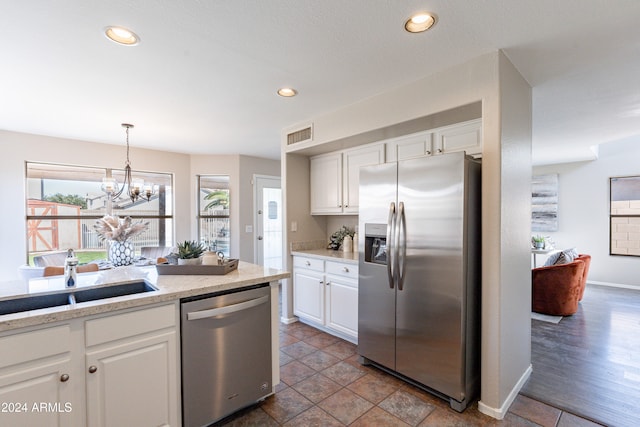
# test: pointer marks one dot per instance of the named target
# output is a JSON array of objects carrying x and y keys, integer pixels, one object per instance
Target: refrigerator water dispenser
[{"x": 375, "y": 243}]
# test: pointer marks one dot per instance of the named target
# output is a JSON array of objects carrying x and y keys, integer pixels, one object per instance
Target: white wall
[{"x": 583, "y": 210}]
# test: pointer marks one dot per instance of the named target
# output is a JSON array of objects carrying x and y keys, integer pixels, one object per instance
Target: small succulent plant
[{"x": 190, "y": 249}]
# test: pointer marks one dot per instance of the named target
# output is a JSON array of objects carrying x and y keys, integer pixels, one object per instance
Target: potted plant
[
  {"x": 189, "y": 252},
  {"x": 118, "y": 231},
  {"x": 335, "y": 241},
  {"x": 538, "y": 241}
]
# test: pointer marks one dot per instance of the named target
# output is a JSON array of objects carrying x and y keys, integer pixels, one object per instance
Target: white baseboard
[
  {"x": 288, "y": 320},
  {"x": 613, "y": 285},
  {"x": 499, "y": 413}
]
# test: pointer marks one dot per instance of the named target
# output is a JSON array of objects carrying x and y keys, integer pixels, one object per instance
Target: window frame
[
  {"x": 200, "y": 217},
  {"x": 106, "y": 172},
  {"x": 613, "y": 228}
]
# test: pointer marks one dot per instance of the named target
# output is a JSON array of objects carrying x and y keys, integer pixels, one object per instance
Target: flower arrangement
[
  {"x": 118, "y": 229},
  {"x": 335, "y": 241}
]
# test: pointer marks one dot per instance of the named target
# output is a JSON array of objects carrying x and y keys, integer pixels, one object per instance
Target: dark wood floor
[{"x": 589, "y": 363}]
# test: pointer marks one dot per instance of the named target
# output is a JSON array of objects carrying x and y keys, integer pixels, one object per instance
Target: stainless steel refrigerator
[{"x": 419, "y": 280}]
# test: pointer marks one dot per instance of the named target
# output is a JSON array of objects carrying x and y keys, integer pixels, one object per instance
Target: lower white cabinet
[
  {"x": 37, "y": 381},
  {"x": 131, "y": 368},
  {"x": 325, "y": 294},
  {"x": 117, "y": 369}
]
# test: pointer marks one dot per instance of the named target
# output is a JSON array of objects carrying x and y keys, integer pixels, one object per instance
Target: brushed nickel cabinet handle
[
  {"x": 93, "y": 369},
  {"x": 64, "y": 378}
]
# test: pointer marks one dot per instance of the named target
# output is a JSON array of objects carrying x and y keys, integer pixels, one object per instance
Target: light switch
[
  {"x": 294, "y": 226},
  {"x": 248, "y": 228}
]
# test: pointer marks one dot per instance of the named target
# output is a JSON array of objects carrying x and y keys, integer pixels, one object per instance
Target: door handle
[
  {"x": 259, "y": 237},
  {"x": 204, "y": 314},
  {"x": 391, "y": 223},
  {"x": 401, "y": 246}
]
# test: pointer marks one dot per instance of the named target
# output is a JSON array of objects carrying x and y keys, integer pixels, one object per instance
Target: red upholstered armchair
[
  {"x": 556, "y": 289},
  {"x": 583, "y": 283}
]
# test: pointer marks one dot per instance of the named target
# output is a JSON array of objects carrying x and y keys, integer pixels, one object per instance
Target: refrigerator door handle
[
  {"x": 401, "y": 245},
  {"x": 391, "y": 223}
]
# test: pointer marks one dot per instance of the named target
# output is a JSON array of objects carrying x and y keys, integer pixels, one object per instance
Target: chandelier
[{"x": 135, "y": 189}]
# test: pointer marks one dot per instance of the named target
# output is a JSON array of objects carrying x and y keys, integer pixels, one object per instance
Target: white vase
[
  {"x": 121, "y": 253},
  {"x": 189, "y": 261}
]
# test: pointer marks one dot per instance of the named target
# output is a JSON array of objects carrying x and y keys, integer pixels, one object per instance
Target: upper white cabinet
[
  {"x": 326, "y": 183},
  {"x": 335, "y": 179},
  {"x": 465, "y": 136},
  {"x": 409, "y": 146}
]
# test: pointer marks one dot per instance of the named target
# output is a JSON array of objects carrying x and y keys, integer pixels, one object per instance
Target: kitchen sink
[
  {"x": 36, "y": 302},
  {"x": 112, "y": 291}
]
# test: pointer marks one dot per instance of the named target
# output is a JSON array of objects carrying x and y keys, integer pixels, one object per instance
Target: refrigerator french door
[{"x": 419, "y": 283}]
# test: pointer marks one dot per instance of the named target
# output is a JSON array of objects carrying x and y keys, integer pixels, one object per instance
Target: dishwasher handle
[{"x": 213, "y": 312}]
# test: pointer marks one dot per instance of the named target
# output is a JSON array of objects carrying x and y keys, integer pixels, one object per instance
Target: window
[
  {"x": 625, "y": 216},
  {"x": 213, "y": 212},
  {"x": 63, "y": 203}
]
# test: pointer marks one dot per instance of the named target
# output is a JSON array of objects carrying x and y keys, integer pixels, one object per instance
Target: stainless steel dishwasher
[{"x": 226, "y": 353}]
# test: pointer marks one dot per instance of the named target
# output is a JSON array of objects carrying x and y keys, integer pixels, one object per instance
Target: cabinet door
[
  {"x": 326, "y": 184},
  {"x": 465, "y": 136},
  {"x": 410, "y": 146},
  {"x": 133, "y": 383},
  {"x": 39, "y": 385},
  {"x": 353, "y": 161},
  {"x": 342, "y": 305},
  {"x": 39, "y": 394},
  {"x": 308, "y": 295}
]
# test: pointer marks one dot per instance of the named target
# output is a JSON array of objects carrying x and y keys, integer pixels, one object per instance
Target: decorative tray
[{"x": 168, "y": 269}]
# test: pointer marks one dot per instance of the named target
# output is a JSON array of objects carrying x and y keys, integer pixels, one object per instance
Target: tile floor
[{"x": 322, "y": 384}]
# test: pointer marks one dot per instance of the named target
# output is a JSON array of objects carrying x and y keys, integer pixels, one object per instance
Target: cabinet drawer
[
  {"x": 27, "y": 346},
  {"x": 119, "y": 326},
  {"x": 308, "y": 263},
  {"x": 342, "y": 269}
]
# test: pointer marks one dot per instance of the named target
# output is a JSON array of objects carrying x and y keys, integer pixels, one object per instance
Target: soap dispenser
[{"x": 70, "y": 265}]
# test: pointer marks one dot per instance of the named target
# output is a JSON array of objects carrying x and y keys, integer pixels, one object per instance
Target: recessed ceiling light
[
  {"x": 122, "y": 35},
  {"x": 287, "y": 92},
  {"x": 420, "y": 22}
]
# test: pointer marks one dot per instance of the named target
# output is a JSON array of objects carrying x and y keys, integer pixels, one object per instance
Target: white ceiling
[{"x": 204, "y": 77}]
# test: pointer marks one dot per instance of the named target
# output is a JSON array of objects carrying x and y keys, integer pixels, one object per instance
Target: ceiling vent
[{"x": 302, "y": 135}]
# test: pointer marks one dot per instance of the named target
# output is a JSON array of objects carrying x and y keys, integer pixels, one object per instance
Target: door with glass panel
[{"x": 268, "y": 221}]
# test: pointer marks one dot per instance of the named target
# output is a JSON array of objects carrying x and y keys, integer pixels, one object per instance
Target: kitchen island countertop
[{"x": 170, "y": 288}]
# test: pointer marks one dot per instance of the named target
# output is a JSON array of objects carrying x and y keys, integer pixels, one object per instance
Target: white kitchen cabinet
[
  {"x": 37, "y": 381},
  {"x": 116, "y": 369},
  {"x": 325, "y": 294},
  {"x": 353, "y": 160},
  {"x": 342, "y": 297},
  {"x": 466, "y": 136},
  {"x": 131, "y": 368},
  {"x": 335, "y": 179},
  {"x": 326, "y": 183},
  {"x": 308, "y": 289},
  {"x": 409, "y": 146}
]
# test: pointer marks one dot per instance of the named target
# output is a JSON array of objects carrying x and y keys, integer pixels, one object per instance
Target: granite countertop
[
  {"x": 329, "y": 255},
  {"x": 170, "y": 288}
]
